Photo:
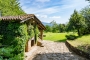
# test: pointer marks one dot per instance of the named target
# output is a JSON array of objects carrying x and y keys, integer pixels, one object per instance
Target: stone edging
[{"x": 77, "y": 51}]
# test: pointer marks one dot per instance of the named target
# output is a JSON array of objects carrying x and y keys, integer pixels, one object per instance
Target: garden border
[{"x": 77, "y": 51}]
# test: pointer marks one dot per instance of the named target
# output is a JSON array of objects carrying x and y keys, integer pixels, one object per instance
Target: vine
[{"x": 14, "y": 35}]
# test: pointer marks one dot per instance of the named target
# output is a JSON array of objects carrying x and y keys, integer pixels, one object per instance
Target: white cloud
[
  {"x": 42, "y": 1},
  {"x": 47, "y": 12},
  {"x": 37, "y": 15},
  {"x": 41, "y": 16},
  {"x": 67, "y": 4},
  {"x": 75, "y": 4},
  {"x": 56, "y": 17},
  {"x": 22, "y": 2},
  {"x": 43, "y": 11}
]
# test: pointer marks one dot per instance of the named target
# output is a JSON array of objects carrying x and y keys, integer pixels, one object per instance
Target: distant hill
[{"x": 44, "y": 23}]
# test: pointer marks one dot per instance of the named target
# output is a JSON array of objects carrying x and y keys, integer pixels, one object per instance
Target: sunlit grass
[
  {"x": 55, "y": 36},
  {"x": 81, "y": 43}
]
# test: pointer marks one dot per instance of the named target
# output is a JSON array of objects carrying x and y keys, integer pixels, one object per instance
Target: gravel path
[{"x": 54, "y": 51}]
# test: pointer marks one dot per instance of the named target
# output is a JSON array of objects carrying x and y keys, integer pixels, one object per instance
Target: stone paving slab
[
  {"x": 55, "y": 51},
  {"x": 31, "y": 53}
]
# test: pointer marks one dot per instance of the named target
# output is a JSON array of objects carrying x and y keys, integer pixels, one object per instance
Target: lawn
[
  {"x": 60, "y": 37},
  {"x": 82, "y": 43}
]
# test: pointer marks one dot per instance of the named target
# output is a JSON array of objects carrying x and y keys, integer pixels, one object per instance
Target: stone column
[
  {"x": 41, "y": 34},
  {"x": 28, "y": 46}
]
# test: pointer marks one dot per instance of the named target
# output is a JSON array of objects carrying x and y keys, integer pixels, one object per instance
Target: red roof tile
[
  {"x": 20, "y": 17},
  {"x": 23, "y": 17}
]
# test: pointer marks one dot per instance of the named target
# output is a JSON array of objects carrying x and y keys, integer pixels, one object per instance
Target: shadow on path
[
  {"x": 55, "y": 51},
  {"x": 57, "y": 56}
]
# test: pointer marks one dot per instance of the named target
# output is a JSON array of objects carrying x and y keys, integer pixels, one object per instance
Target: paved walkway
[{"x": 54, "y": 51}]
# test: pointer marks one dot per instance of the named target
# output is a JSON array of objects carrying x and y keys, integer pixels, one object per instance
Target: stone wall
[{"x": 77, "y": 51}]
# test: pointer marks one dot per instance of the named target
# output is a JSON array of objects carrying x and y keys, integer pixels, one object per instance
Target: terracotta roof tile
[
  {"x": 20, "y": 17},
  {"x": 23, "y": 17}
]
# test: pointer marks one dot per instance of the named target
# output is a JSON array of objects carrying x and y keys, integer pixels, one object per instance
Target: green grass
[
  {"x": 59, "y": 37},
  {"x": 82, "y": 43}
]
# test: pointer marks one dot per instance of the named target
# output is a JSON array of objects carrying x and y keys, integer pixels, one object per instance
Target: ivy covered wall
[{"x": 13, "y": 36}]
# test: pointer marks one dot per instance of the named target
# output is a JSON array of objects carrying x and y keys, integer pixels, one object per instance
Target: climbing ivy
[
  {"x": 30, "y": 31},
  {"x": 14, "y": 35},
  {"x": 36, "y": 33}
]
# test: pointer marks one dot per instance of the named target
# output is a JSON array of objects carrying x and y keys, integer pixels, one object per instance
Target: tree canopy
[
  {"x": 14, "y": 47},
  {"x": 48, "y": 28},
  {"x": 86, "y": 14},
  {"x": 54, "y": 26},
  {"x": 76, "y": 21},
  {"x": 10, "y": 7},
  {"x": 61, "y": 28}
]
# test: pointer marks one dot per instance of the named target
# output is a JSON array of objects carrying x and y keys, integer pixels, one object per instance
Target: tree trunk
[{"x": 78, "y": 32}]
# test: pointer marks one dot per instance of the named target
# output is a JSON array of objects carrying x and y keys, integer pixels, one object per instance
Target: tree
[
  {"x": 61, "y": 28},
  {"x": 10, "y": 7},
  {"x": 88, "y": 0},
  {"x": 55, "y": 27},
  {"x": 86, "y": 14},
  {"x": 76, "y": 21},
  {"x": 48, "y": 28},
  {"x": 16, "y": 46}
]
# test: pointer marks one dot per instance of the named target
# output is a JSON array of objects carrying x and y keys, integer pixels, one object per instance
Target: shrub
[
  {"x": 1, "y": 58},
  {"x": 6, "y": 53},
  {"x": 71, "y": 37}
]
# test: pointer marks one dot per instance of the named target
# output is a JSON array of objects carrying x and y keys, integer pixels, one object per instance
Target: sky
[{"x": 49, "y": 10}]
